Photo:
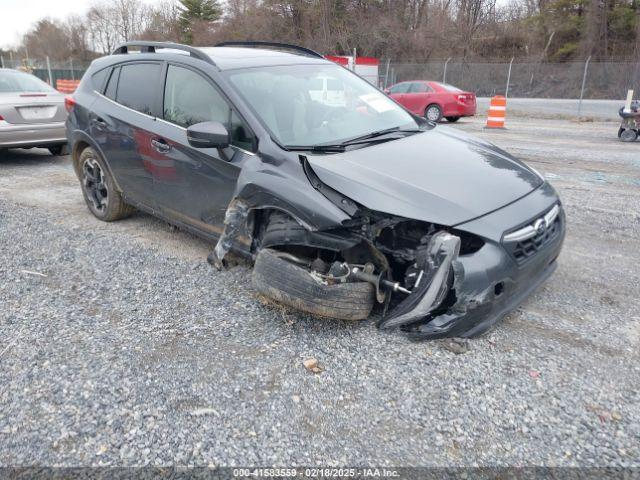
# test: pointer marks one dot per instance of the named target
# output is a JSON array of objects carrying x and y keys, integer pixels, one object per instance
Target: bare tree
[
  {"x": 47, "y": 39},
  {"x": 115, "y": 21}
]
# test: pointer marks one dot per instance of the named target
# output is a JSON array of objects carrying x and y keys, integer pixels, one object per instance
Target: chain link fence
[
  {"x": 48, "y": 70},
  {"x": 609, "y": 80}
]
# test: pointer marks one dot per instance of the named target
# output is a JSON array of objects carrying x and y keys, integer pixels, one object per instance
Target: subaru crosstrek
[{"x": 346, "y": 205}]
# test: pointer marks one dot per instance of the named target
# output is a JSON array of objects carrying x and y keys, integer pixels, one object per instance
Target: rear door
[
  {"x": 418, "y": 97},
  {"x": 123, "y": 122},
  {"x": 195, "y": 185}
]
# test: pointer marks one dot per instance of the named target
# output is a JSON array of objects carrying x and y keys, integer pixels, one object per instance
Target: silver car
[{"x": 32, "y": 114}]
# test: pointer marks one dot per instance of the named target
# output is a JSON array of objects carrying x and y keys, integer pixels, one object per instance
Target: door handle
[{"x": 160, "y": 145}]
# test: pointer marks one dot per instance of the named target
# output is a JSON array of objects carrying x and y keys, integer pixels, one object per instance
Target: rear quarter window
[
  {"x": 112, "y": 86},
  {"x": 138, "y": 86},
  {"x": 100, "y": 78}
]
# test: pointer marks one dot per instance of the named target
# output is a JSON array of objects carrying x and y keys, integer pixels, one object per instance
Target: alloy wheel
[
  {"x": 433, "y": 113},
  {"x": 95, "y": 184}
]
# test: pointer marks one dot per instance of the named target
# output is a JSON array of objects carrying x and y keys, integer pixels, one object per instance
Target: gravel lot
[{"x": 129, "y": 349}]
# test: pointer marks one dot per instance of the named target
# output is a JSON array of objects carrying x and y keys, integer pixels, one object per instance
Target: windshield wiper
[
  {"x": 376, "y": 134},
  {"x": 338, "y": 148},
  {"x": 372, "y": 137}
]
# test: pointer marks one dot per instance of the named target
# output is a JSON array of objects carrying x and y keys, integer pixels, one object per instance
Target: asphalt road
[
  {"x": 119, "y": 345},
  {"x": 551, "y": 108}
]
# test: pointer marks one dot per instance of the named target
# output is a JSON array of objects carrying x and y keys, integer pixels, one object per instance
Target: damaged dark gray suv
[{"x": 347, "y": 203}]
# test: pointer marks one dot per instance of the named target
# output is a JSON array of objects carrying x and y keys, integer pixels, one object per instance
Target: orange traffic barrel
[
  {"x": 497, "y": 111},
  {"x": 67, "y": 86}
]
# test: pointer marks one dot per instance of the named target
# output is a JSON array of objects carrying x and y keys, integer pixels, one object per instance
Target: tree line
[{"x": 401, "y": 30}]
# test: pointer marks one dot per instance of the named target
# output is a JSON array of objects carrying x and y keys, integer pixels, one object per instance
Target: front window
[
  {"x": 305, "y": 105},
  {"x": 13, "y": 81},
  {"x": 400, "y": 88},
  {"x": 189, "y": 99}
]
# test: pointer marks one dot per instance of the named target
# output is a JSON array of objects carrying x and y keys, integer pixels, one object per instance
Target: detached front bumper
[
  {"x": 32, "y": 135},
  {"x": 489, "y": 285}
]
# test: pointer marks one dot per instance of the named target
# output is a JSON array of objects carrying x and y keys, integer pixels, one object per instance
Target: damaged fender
[{"x": 234, "y": 219}]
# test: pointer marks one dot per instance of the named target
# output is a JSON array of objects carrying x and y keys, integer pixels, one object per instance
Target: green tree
[{"x": 197, "y": 12}]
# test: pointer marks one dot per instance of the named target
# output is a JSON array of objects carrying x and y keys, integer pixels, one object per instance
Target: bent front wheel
[{"x": 281, "y": 280}]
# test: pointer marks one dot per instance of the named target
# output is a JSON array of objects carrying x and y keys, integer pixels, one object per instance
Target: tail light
[
  {"x": 69, "y": 103},
  {"x": 2, "y": 121}
]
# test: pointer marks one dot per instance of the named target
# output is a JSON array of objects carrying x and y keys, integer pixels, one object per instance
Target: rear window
[
  {"x": 449, "y": 88},
  {"x": 137, "y": 86},
  {"x": 13, "y": 81},
  {"x": 418, "y": 87}
]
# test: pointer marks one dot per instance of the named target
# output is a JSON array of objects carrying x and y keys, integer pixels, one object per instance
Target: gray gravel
[{"x": 132, "y": 350}]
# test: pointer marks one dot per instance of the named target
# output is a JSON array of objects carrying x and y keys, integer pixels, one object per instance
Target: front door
[
  {"x": 194, "y": 185},
  {"x": 398, "y": 91}
]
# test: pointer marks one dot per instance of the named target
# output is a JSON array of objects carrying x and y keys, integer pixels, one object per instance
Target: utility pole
[
  {"x": 506, "y": 93},
  {"x": 444, "y": 75},
  {"x": 584, "y": 79}
]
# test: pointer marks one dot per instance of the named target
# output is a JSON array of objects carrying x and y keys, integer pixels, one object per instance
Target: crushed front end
[
  {"x": 452, "y": 282},
  {"x": 427, "y": 279}
]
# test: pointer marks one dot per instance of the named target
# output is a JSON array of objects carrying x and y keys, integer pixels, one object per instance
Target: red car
[{"x": 434, "y": 100}]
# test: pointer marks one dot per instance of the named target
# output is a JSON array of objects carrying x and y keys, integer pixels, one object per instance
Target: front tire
[
  {"x": 433, "y": 113},
  {"x": 292, "y": 285},
  {"x": 99, "y": 190}
]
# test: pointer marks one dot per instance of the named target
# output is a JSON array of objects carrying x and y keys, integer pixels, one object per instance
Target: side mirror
[
  {"x": 386, "y": 90},
  {"x": 208, "y": 135}
]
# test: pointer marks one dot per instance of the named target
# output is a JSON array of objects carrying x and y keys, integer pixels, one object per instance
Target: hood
[{"x": 441, "y": 176}]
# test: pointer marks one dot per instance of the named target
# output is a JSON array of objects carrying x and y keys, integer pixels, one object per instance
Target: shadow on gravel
[{"x": 29, "y": 157}]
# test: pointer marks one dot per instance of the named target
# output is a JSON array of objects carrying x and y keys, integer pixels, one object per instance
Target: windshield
[
  {"x": 304, "y": 105},
  {"x": 12, "y": 81}
]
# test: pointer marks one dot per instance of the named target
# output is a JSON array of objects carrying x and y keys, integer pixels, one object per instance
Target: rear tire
[
  {"x": 99, "y": 189},
  {"x": 294, "y": 286},
  {"x": 58, "y": 150},
  {"x": 433, "y": 113},
  {"x": 452, "y": 119}
]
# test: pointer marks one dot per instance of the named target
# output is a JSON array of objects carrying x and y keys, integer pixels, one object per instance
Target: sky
[{"x": 17, "y": 16}]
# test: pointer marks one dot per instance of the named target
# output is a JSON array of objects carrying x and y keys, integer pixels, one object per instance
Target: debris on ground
[
  {"x": 456, "y": 345},
  {"x": 32, "y": 273},
  {"x": 311, "y": 364},
  {"x": 200, "y": 412}
]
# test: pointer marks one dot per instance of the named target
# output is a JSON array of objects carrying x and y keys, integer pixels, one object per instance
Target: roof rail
[
  {"x": 150, "y": 47},
  {"x": 288, "y": 46}
]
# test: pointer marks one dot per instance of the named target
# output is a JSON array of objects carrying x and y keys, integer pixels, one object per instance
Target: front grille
[
  {"x": 528, "y": 248},
  {"x": 523, "y": 250}
]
